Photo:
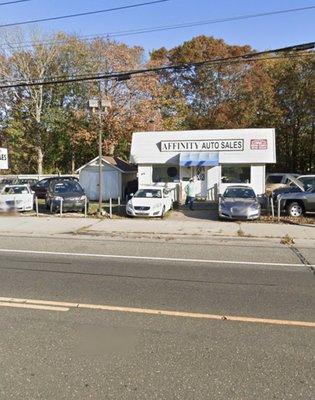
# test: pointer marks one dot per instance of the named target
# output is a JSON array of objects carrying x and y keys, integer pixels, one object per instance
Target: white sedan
[
  {"x": 16, "y": 198},
  {"x": 150, "y": 202}
]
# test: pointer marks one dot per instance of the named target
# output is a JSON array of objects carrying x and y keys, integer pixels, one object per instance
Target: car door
[{"x": 310, "y": 200}]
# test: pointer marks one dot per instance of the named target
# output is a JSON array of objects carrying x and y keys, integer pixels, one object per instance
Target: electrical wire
[
  {"x": 99, "y": 76},
  {"x": 165, "y": 27},
  {"x": 84, "y": 13},
  {"x": 13, "y": 2},
  {"x": 124, "y": 75}
]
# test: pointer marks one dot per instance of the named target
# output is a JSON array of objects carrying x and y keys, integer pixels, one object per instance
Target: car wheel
[{"x": 295, "y": 210}]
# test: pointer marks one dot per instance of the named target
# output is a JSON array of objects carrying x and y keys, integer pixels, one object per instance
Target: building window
[
  {"x": 235, "y": 174},
  {"x": 165, "y": 173}
]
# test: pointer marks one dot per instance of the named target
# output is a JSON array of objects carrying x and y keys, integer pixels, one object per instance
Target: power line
[
  {"x": 83, "y": 13},
  {"x": 169, "y": 27},
  {"x": 214, "y": 61},
  {"x": 249, "y": 57},
  {"x": 13, "y": 2}
]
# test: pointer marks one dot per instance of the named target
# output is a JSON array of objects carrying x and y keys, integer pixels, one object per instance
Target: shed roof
[{"x": 116, "y": 162}]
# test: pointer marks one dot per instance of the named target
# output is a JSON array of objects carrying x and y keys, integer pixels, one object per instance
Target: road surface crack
[{"x": 302, "y": 258}]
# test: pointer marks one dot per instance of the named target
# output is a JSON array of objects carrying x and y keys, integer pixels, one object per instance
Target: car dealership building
[{"x": 214, "y": 158}]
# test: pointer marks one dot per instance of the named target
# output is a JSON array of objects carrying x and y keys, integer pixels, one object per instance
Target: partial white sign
[{"x": 4, "y": 158}]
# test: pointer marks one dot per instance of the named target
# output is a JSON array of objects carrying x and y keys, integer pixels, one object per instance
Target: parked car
[
  {"x": 298, "y": 185},
  {"x": 150, "y": 202},
  {"x": 278, "y": 180},
  {"x": 41, "y": 187},
  {"x": 6, "y": 181},
  {"x": 16, "y": 198},
  {"x": 69, "y": 192},
  {"x": 26, "y": 181},
  {"x": 297, "y": 204},
  {"x": 239, "y": 202},
  {"x": 295, "y": 186}
]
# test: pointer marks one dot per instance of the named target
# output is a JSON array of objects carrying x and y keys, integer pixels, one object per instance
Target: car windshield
[
  {"x": 241, "y": 193},
  {"x": 308, "y": 182},
  {"x": 16, "y": 190},
  {"x": 68, "y": 186},
  {"x": 149, "y": 193}
]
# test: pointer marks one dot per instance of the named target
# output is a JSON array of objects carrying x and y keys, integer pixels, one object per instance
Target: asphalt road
[{"x": 82, "y": 348}]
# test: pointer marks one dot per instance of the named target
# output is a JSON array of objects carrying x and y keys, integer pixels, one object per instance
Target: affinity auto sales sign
[{"x": 202, "y": 145}]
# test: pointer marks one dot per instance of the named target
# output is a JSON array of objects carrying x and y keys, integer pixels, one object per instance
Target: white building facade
[{"x": 214, "y": 158}]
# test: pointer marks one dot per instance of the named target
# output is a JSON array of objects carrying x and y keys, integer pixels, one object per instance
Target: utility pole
[{"x": 102, "y": 106}]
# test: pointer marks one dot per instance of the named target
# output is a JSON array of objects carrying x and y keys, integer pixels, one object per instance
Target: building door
[{"x": 200, "y": 176}]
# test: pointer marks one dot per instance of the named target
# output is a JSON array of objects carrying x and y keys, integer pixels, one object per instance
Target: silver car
[{"x": 239, "y": 202}]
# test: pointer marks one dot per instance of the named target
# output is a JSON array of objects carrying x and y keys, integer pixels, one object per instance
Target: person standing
[{"x": 190, "y": 194}]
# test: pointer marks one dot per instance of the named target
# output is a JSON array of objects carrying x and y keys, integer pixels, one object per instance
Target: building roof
[{"x": 116, "y": 162}]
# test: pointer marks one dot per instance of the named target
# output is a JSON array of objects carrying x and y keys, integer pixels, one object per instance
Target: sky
[{"x": 261, "y": 33}]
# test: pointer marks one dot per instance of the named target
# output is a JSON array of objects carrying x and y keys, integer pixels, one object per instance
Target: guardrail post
[
  {"x": 279, "y": 208},
  {"x": 110, "y": 208},
  {"x": 272, "y": 207},
  {"x": 61, "y": 201},
  {"x": 119, "y": 201},
  {"x": 85, "y": 207},
  {"x": 36, "y": 205}
]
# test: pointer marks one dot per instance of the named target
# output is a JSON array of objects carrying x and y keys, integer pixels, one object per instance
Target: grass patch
[{"x": 287, "y": 240}]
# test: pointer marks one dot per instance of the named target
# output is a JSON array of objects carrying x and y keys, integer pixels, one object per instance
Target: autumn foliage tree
[{"x": 50, "y": 128}]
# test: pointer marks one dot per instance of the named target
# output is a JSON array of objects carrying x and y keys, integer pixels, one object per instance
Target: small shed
[{"x": 116, "y": 175}]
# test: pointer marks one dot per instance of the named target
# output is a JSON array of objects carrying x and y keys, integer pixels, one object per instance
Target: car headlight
[
  {"x": 129, "y": 205},
  {"x": 83, "y": 197},
  {"x": 222, "y": 206},
  {"x": 254, "y": 209},
  {"x": 58, "y": 198},
  {"x": 157, "y": 206}
]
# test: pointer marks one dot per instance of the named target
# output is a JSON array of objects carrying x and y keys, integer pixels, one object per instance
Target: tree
[{"x": 20, "y": 64}]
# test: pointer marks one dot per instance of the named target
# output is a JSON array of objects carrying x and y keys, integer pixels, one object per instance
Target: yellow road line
[
  {"x": 33, "y": 306},
  {"x": 65, "y": 306}
]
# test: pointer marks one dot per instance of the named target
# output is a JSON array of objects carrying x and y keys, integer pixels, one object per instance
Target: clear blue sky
[{"x": 260, "y": 33}]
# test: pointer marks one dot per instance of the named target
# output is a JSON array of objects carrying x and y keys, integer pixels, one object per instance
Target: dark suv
[
  {"x": 40, "y": 188},
  {"x": 297, "y": 204},
  {"x": 67, "y": 193}
]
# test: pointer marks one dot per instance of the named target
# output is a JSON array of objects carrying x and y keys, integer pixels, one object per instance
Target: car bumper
[
  {"x": 149, "y": 214},
  {"x": 10, "y": 209},
  {"x": 69, "y": 205},
  {"x": 244, "y": 217}
]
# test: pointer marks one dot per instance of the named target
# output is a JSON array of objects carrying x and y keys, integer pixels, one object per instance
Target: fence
[{"x": 33, "y": 176}]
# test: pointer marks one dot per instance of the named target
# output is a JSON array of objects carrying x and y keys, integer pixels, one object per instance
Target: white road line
[
  {"x": 31, "y": 303},
  {"x": 129, "y": 257},
  {"x": 33, "y": 306}
]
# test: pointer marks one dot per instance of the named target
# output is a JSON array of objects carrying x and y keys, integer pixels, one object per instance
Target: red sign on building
[{"x": 259, "y": 144}]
